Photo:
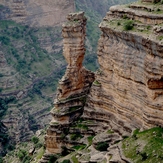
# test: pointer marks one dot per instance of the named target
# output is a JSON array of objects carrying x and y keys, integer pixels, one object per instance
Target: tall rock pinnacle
[{"x": 73, "y": 87}]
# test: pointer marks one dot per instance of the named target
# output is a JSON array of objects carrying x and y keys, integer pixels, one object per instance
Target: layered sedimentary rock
[
  {"x": 128, "y": 89},
  {"x": 74, "y": 85},
  {"x": 37, "y": 13}
]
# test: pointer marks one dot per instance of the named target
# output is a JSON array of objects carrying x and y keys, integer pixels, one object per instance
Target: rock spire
[{"x": 73, "y": 87}]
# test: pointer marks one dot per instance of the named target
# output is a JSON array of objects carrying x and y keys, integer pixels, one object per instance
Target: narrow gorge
[{"x": 95, "y": 113}]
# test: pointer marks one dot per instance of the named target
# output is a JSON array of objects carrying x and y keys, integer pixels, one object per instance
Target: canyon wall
[
  {"x": 128, "y": 89},
  {"x": 127, "y": 92},
  {"x": 37, "y": 13}
]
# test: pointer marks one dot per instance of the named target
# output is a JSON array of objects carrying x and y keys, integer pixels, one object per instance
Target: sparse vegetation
[
  {"x": 102, "y": 146},
  {"x": 128, "y": 25},
  {"x": 90, "y": 139},
  {"x": 35, "y": 139},
  {"x": 125, "y": 16},
  {"x": 82, "y": 126},
  {"x": 147, "y": 147},
  {"x": 65, "y": 161},
  {"x": 160, "y": 38},
  {"x": 76, "y": 136},
  {"x": 96, "y": 82},
  {"x": 74, "y": 159},
  {"x": 110, "y": 131},
  {"x": 74, "y": 108},
  {"x": 52, "y": 159},
  {"x": 118, "y": 23},
  {"x": 79, "y": 147},
  {"x": 23, "y": 156},
  {"x": 1, "y": 160}
]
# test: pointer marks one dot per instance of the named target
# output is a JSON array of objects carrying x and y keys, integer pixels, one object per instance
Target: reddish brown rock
[
  {"x": 74, "y": 85},
  {"x": 128, "y": 92}
]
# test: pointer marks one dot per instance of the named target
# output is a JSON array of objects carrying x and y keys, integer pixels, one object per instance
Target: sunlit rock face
[
  {"x": 128, "y": 89},
  {"x": 74, "y": 85}
]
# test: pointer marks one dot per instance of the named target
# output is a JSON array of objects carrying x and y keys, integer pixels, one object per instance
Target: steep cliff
[
  {"x": 31, "y": 59},
  {"x": 128, "y": 88},
  {"x": 125, "y": 95}
]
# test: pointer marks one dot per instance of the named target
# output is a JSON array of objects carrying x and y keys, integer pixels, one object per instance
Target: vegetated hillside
[
  {"x": 31, "y": 63},
  {"x": 30, "y": 66}
]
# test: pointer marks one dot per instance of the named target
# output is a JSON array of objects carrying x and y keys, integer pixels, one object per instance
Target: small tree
[{"x": 35, "y": 139}]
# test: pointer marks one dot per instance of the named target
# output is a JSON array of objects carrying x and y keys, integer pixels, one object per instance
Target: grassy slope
[{"x": 144, "y": 147}]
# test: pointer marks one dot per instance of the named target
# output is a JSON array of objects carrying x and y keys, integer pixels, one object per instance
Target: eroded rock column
[{"x": 74, "y": 85}]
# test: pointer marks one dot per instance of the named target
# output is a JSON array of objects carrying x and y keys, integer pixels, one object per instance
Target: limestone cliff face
[
  {"x": 128, "y": 89},
  {"x": 127, "y": 92},
  {"x": 36, "y": 12},
  {"x": 74, "y": 85}
]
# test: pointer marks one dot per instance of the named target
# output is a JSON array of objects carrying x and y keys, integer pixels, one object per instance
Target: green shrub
[
  {"x": 148, "y": 27},
  {"x": 90, "y": 139},
  {"x": 65, "y": 161},
  {"x": 76, "y": 136},
  {"x": 79, "y": 147},
  {"x": 125, "y": 16},
  {"x": 38, "y": 145},
  {"x": 135, "y": 132},
  {"x": 26, "y": 159},
  {"x": 65, "y": 151},
  {"x": 1, "y": 160},
  {"x": 21, "y": 154},
  {"x": 35, "y": 139},
  {"x": 52, "y": 159},
  {"x": 118, "y": 23},
  {"x": 102, "y": 146},
  {"x": 128, "y": 25}
]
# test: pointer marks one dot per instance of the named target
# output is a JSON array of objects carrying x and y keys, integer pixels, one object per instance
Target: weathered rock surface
[
  {"x": 127, "y": 92},
  {"x": 128, "y": 88},
  {"x": 35, "y": 12},
  {"x": 74, "y": 85}
]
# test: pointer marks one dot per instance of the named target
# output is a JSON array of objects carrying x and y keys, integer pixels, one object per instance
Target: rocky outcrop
[
  {"x": 127, "y": 92},
  {"x": 74, "y": 85},
  {"x": 128, "y": 88}
]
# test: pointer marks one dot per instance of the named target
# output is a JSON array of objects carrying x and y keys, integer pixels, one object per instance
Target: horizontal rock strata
[
  {"x": 128, "y": 89},
  {"x": 74, "y": 85}
]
